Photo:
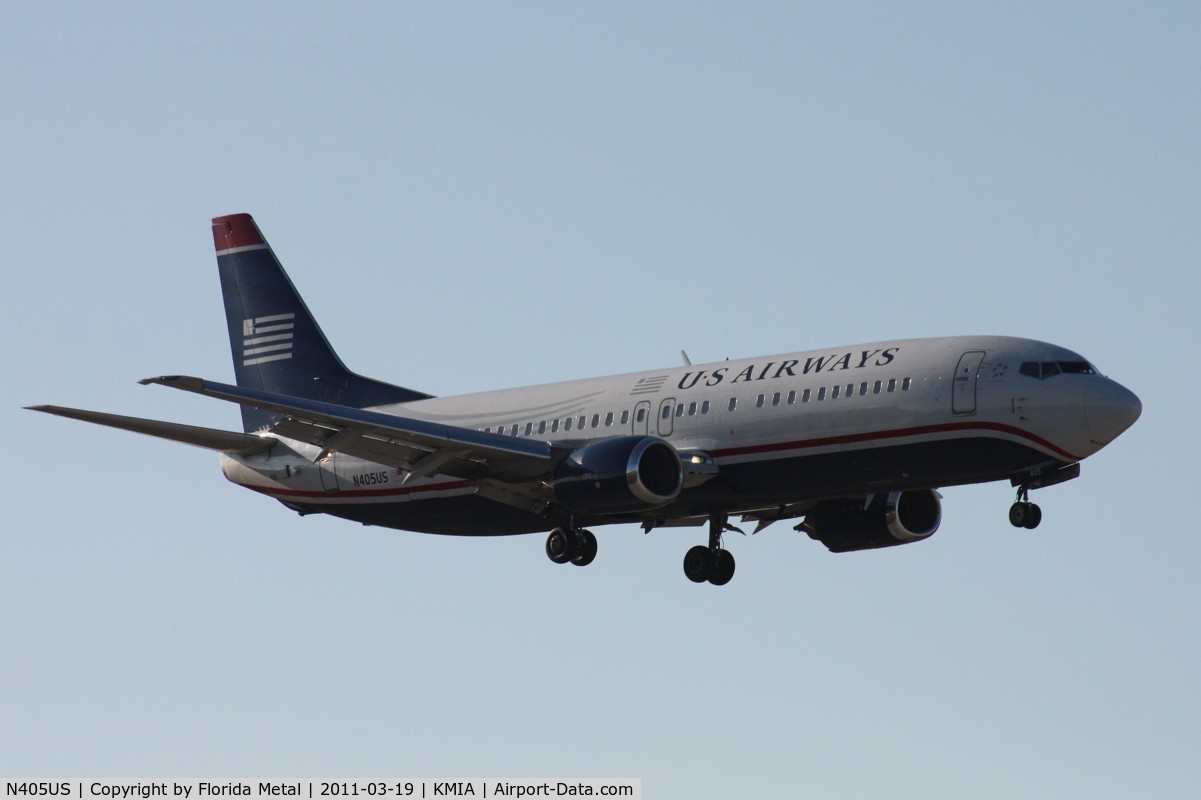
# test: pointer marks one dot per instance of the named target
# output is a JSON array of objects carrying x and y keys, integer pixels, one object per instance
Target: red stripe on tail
[{"x": 235, "y": 230}]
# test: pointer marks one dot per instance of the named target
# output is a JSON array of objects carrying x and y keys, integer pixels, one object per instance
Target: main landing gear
[
  {"x": 571, "y": 544},
  {"x": 1023, "y": 513},
  {"x": 713, "y": 563}
]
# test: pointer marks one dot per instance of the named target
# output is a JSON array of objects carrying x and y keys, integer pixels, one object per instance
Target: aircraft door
[
  {"x": 328, "y": 469},
  {"x": 642, "y": 418},
  {"x": 963, "y": 390},
  {"x": 665, "y": 416}
]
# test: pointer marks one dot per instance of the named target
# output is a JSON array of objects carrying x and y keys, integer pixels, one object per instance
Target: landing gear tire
[
  {"x": 585, "y": 548},
  {"x": 1025, "y": 515},
  {"x": 711, "y": 563},
  {"x": 698, "y": 564},
  {"x": 558, "y": 546},
  {"x": 722, "y": 569}
]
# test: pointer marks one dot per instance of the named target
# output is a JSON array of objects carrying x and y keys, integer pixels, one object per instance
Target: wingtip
[{"x": 175, "y": 381}]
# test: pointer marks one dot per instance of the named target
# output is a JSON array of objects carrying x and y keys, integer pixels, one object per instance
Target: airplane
[{"x": 853, "y": 443}]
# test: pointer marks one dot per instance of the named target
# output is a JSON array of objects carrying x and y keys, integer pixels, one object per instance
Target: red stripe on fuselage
[{"x": 900, "y": 433}]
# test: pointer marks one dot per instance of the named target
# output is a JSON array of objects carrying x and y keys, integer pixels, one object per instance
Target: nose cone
[{"x": 1110, "y": 408}]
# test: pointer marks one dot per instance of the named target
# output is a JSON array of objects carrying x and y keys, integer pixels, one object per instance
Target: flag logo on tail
[{"x": 267, "y": 339}]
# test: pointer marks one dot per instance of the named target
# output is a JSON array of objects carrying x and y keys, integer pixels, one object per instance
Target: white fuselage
[{"x": 780, "y": 429}]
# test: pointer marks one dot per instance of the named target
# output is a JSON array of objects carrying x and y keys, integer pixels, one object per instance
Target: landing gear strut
[
  {"x": 1023, "y": 513},
  {"x": 571, "y": 544},
  {"x": 712, "y": 563}
]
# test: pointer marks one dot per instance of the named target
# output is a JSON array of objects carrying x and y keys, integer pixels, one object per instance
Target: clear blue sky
[{"x": 476, "y": 196}]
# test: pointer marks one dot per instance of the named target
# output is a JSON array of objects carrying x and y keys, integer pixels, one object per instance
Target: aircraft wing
[
  {"x": 417, "y": 446},
  {"x": 208, "y": 438}
]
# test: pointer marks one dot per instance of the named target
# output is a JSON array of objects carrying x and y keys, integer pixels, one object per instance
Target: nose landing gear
[{"x": 1023, "y": 513}]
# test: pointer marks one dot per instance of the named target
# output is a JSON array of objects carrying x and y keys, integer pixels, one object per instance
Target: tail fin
[{"x": 276, "y": 344}]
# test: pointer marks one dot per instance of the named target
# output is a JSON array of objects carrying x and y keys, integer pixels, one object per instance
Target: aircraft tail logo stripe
[{"x": 266, "y": 339}]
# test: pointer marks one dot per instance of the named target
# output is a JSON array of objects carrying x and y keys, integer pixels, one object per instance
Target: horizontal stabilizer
[{"x": 209, "y": 438}]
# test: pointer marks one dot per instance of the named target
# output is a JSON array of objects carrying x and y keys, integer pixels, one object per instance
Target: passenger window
[
  {"x": 692, "y": 409},
  {"x": 805, "y": 396},
  {"x": 733, "y": 403},
  {"x": 625, "y": 416},
  {"x": 596, "y": 420},
  {"x": 834, "y": 392},
  {"x": 792, "y": 397},
  {"x": 876, "y": 388},
  {"x": 775, "y": 399},
  {"x": 641, "y": 414},
  {"x": 580, "y": 423},
  {"x": 542, "y": 426},
  {"x": 863, "y": 389},
  {"x": 759, "y": 402},
  {"x": 905, "y": 384},
  {"x": 821, "y": 393},
  {"x": 567, "y": 424},
  {"x": 705, "y": 407},
  {"x": 850, "y": 390},
  {"x": 680, "y": 410},
  {"x": 529, "y": 428},
  {"x": 666, "y": 412},
  {"x": 609, "y": 419},
  {"x": 554, "y": 426},
  {"x": 513, "y": 431},
  {"x": 892, "y": 384}
]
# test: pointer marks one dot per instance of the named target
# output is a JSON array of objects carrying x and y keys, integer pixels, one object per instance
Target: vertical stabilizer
[{"x": 277, "y": 345}]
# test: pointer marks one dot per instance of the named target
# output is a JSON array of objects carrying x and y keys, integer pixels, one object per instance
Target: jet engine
[
  {"x": 626, "y": 473},
  {"x": 883, "y": 520}
]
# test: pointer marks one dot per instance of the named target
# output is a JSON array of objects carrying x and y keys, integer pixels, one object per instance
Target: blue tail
[{"x": 277, "y": 345}]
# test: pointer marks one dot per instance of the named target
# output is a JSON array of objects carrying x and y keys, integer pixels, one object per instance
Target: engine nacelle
[
  {"x": 885, "y": 521},
  {"x": 611, "y": 476}
]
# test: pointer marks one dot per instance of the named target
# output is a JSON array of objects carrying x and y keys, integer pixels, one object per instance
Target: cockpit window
[
  {"x": 1046, "y": 369},
  {"x": 1077, "y": 367}
]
